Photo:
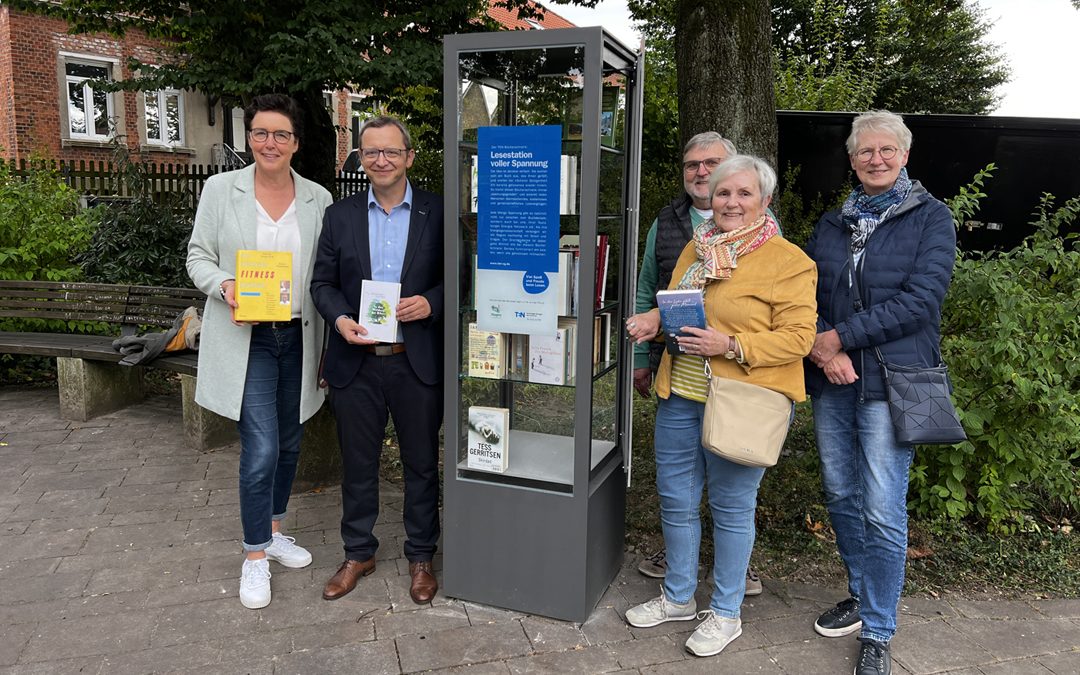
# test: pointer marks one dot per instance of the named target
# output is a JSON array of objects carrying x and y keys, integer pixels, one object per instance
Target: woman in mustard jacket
[{"x": 761, "y": 313}]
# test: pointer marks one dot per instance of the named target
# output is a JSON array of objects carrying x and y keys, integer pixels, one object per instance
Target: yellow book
[{"x": 264, "y": 285}]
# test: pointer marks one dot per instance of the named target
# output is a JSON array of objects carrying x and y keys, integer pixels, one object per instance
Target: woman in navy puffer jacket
[{"x": 903, "y": 243}]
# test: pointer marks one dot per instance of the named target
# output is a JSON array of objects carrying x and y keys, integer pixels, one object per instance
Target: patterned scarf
[
  {"x": 862, "y": 212},
  {"x": 718, "y": 251}
]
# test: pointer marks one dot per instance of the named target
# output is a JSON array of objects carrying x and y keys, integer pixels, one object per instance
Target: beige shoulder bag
[{"x": 744, "y": 423}]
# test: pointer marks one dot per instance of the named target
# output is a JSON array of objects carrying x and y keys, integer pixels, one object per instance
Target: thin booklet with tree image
[{"x": 378, "y": 309}]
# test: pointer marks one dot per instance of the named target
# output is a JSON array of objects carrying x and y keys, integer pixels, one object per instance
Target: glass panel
[
  {"x": 525, "y": 87},
  {"x": 612, "y": 168},
  {"x": 86, "y": 70},
  {"x": 101, "y": 112},
  {"x": 172, "y": 117},
  {"x": 76, "y": 108},
  {"x": 613, "y": 112},
  {"x": 153, "y": 119}
]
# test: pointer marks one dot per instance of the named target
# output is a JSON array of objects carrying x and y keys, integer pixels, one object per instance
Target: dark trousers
[{"x": 387, "y": 384}]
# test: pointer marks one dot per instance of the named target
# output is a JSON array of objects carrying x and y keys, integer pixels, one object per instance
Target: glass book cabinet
[{"x": 542, "y": 152}]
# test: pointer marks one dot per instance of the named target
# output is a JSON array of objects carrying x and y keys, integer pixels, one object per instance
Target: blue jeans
[
  {"x": 682, "y": 469},
  {"x": 270, "y": 429},
  {"x": 865, "y": 476}
]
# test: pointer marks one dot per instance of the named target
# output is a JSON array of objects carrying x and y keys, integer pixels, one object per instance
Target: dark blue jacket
[{"x": 904, "y": 273}]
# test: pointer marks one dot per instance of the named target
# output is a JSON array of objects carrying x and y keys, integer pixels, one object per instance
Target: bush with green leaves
[
  {"x": 142, "y": 237},
  {"x": 1011, "y": 337},
  {"x": 41, "y": 224}
]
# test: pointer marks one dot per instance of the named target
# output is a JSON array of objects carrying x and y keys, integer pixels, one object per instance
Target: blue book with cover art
[{"x": 678, "y": 308}]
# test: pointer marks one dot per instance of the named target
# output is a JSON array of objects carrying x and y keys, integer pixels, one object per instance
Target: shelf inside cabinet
[{"x": 539, "y": 460}]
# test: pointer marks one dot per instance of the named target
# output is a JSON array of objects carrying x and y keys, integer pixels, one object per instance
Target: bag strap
[{"x": 856, "y": 300}]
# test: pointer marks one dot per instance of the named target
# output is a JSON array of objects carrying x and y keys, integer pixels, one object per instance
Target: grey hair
[
  {"x": 707, "y": 138},
  {"x": 387, "y": 121},
  {"x": 737, "y": 164},
  {"x": 881, "y": 121}
]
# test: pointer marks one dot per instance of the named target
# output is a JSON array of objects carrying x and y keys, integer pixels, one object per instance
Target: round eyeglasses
[
  {"x": 867, "y": 154},
  {"x": 281, "y": 136}
]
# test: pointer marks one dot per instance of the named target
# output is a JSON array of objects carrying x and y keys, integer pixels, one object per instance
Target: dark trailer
[{"x": 1033, "y": 155}]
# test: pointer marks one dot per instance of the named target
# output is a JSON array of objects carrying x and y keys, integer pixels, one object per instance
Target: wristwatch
[{"x": 730, "y": 353}]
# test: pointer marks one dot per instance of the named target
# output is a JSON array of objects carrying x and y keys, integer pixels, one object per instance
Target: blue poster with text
[{"x": 518, "y": 201}]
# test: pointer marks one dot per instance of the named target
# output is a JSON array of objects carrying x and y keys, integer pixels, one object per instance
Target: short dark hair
[
  {"x": 279, "y": 103},
  {"x": 387, "y": 121}
]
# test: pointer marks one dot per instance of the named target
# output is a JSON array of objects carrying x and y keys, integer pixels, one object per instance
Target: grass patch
[{"x": 795, "y": 541}]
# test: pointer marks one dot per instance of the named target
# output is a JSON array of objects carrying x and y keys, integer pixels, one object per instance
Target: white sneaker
[
  {"x": 714, "y": 633},
  {"x": 255, "y": 584},
  {"x": 659, "y": 610},
  {"x": 284, "y": 550}
]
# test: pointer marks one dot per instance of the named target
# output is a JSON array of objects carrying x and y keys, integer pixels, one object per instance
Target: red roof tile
[{"x": 510, "y": 21}]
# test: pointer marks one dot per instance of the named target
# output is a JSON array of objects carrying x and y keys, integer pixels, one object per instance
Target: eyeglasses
[
  {"x": 281, "y": 136},
  {"x": 867, "y": 154},
  {"x": 710, "y": 164},
  {"x": 391, "y": 154}
]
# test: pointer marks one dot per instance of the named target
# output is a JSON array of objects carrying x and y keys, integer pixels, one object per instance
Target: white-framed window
[
  {"x": 359, "y": 112},
  {"x": 163, "y": 113},
  {"x": 88, "y": 110}
]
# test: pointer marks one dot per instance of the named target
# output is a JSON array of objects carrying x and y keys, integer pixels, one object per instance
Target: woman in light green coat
[{"x": 264, "y": 374}]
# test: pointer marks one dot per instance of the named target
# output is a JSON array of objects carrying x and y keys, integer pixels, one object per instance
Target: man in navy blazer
[{"x": 394, "y": 233}]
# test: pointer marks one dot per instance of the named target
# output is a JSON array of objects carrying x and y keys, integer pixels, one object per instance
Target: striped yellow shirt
[{"x": 688, "y": 378}]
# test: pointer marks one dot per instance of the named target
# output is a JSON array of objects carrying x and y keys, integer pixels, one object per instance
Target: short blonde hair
[
  {"x": 881, "y": 121},
  {"x": 738, "y": 163}
]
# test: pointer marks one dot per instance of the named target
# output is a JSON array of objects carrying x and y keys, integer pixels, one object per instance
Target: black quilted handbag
[
  {"x": 922, "y": 412},
  {"x": 919, "y": 404}
]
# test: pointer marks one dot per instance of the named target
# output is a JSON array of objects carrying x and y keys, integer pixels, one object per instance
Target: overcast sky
[{"x": 1041, "y": 39}]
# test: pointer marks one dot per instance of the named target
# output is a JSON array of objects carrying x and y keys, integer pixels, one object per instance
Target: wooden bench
[{"x": 91, "y": 382}]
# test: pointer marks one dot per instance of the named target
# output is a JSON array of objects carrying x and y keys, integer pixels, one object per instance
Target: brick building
[{"x": 49, "y": 109}]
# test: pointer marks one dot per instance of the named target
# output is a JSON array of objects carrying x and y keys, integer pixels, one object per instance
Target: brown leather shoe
[
  {"x": 424, "y": 586},
  {"x": 346, "y": 577}
]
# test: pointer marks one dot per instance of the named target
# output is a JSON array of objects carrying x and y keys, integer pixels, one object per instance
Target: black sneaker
[
  {"x": 840, "y": 620},
  {"x": 873, "y": 658}
]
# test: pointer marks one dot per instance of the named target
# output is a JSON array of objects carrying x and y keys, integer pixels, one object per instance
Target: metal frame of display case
[{"x": 546, "y": 536}]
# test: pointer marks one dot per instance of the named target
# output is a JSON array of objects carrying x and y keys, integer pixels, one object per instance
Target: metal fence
[{"x": 101, "y": 181}]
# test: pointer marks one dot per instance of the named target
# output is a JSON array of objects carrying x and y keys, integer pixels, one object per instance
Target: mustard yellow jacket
[{"x": 769, "y": 305}]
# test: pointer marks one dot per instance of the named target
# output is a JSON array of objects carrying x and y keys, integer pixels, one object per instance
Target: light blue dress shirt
[{"x": 388, "y": 234}]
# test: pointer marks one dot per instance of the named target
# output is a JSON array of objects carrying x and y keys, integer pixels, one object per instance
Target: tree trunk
[
  {"x": 317, "y": 157},
  {"x": 724, "y": 59}
]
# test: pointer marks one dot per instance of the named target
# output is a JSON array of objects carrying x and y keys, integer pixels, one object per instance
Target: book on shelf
[
  {"x": 564, "y": 283},
  {"x": 568, "y": 185},
  {"x": 488, "y": 353},
  {"x": 378, "y": 309},
  {"x": 570, "y": 324},
  {"x": 488, "y": 439},
  {"x": 572, "y": 243},
  {"x": 263, "y": 285},
  {"x": 518, "y": 362},
  {"x": 601, "y": 339},
  {"x": 603, "y": 253},
  {"x": 548, "y": 357},
  {"x": 678, "y": 308}
]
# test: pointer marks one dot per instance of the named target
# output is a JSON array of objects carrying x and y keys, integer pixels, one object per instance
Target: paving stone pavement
[{"x": 119, "y": 553}]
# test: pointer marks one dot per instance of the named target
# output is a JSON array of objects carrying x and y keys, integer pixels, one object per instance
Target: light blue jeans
[
  {"x": 865, "y": 476},
  {"x": 682, "y": 469},
  {"x": 270, "y": 429}
]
